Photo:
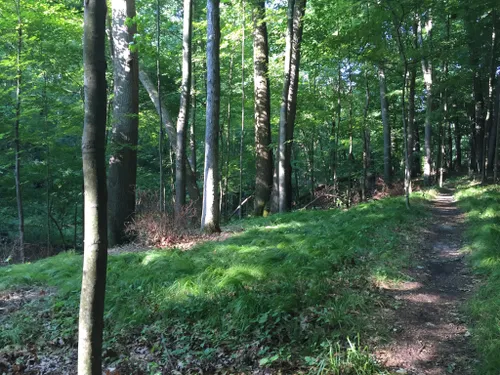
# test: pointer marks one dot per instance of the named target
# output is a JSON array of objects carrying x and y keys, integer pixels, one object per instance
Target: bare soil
[{"x": 429, "y": 333}]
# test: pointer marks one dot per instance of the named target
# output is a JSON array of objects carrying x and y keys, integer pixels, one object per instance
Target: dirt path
[{"x": 430, "y": 335}]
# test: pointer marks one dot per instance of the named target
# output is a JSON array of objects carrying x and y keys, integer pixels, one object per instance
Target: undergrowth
[
  {"x": 482, "y": 207},
  {"x": 287, "y": 292}
]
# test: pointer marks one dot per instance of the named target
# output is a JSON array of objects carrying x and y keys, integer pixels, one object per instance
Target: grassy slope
[
  {"x": 276, "y": 294},
  {"x": 482, "y": 206}
]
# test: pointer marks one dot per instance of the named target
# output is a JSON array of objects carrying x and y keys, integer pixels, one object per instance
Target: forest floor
[
  {"x": 373, "y": 290},
  {"x": 431, "y": 336}
]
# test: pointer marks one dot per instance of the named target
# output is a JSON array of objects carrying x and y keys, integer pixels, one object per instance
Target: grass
[
  {"x": 482, "y": 207},
  {"x": 287, "y": 292}
]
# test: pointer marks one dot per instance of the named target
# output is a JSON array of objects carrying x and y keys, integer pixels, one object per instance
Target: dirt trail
[{"x": 430, "y": 335}]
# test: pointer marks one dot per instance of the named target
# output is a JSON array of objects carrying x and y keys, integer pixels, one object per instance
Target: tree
[
  {"x": 384, "y": 104},
  {"x": 122, "y": 173},
  {"x": 94, "y": 175},
  {"x": 288, "y": 109},
  {"x": 183, "y": 118},
  {"x": 262, "y": 115},
  {"x": 17, "y": 142},
  {"x": 210, "y": 219},
  {"x": 428, "y": 78}
]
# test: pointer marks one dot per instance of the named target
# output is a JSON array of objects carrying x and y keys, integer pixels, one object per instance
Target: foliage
[
  {"x": 272, "y": 295},
  {"x": 482, "y": 207}
]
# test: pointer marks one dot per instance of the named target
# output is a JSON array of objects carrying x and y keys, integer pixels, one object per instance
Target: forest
[{"x": 250, "y": 187}]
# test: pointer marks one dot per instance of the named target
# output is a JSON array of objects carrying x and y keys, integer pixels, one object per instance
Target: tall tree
[
  {"x": 384, "y": 105},
  {"x": 210, "y": 218},
  {"x": 94, "y": 176},
  {"x": 428, "y": 77},
  {"x": 17, "y": 141},
  {"x": 122, "y": 172},
  {"x": 182, "y": 119},
  {"x": 262, "y": 104},
  {"x": 295, "y": 27}
]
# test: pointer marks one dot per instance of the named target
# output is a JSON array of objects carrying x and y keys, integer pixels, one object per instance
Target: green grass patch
[
  {"x": 482, "y": 207},
  {"x": 277, "y": 294}
]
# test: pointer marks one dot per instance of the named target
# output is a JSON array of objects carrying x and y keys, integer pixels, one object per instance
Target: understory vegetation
[
  {"x": 294, "y": 291},
  {"x": 482, "y": 207}
]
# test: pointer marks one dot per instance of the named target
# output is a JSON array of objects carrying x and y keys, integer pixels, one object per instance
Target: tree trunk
[
  {"x": 211, "y": 214},
  {"x": 414, "y": 161},
  {"x": 427, "y": 72},
  {"x": 384, "y": 105},
  {"x": 169, "y": 126},
  {"x": 366, "y": 141},
  {"x": 17, "y": 142},
  {"x": 122, "y": 173},
  {"x": 497, "y": 135},
  {"x": 192, "y": 127},
  {"x": 242, "y": 130},
  {"x": 479, "y": 123},
  {"x": 262, "y": 105},
  {"x": 406, "y": 150},
  {"x": 159, "y": 108},
  {"x": 283, "y": 125},
  {"x": 94, "y": 177},
  {"x": 296, "y": 10},
  {"x": 227, "y": 145},
  {"x": 182, "y": 119},
  {"x": 488, "y": 158},
  {"x": 458, "y": 146}
]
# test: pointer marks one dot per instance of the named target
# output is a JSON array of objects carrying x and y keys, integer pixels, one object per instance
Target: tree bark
[
  {"x": 262, "y": 105},
  {"x": 211, "y": 212},
  {"x": 296, "y": 11},
  {"x": 17, "y": 142},
  {"x": 427, "y": 72},
  {"x": 94, "y": 176},
  {"x": 384, "y": 105},
  {"x": 414, "y": 160},
  {"x": 242, "y": 130},
  {"x": 283, "y": 125},
  {"x": 183, "y": 118},
  {"x": 122, "y": 173},
  {"x": 192, "y": 127}
]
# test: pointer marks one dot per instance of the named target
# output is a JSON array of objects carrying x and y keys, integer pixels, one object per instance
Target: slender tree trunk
[
  {"x": 182, "y": 119},
  {"x": 228, "y": 139},
  {"x": 283, "y": 125},
  {"x": 415, "y": 163},
  {"x": 159, "y": 107},
  {"x": 479, "y": 123},
  {"x": 17, "y": 142},
  {"x": 192, "y": 127},
  {"x": 406, "y": 150},
  {"x": 489, "y": 122},
  {"x": 262, "y": 105},
  {"x": 384, "y": 104},
  {"x": 122, "y": 172},
  {"x": 427, "y": 72},
  {"x": 296, "y": 10},
  {"x": 242, "y": 130},
  {"x": 211, "y": 214},
  {"x": 337, "y": 133},
  {"x": 350, "y": 160},
  {"x": 497, "y": 134},
  {"x": 94, "y": 176},
  {"x": 366, "y": 141},
  {"x": 458, "y": 146},
  {"x": 48, "y": 178}
]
